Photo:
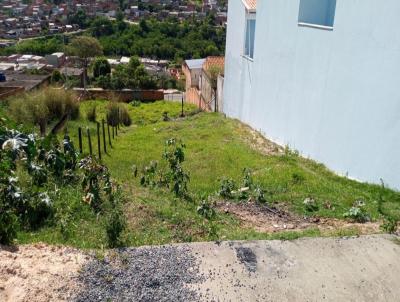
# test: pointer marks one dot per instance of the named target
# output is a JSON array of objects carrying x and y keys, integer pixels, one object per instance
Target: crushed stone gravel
[{"x": 141, "y": 274}]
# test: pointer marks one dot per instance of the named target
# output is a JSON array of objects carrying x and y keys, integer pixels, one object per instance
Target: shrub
[
  {"x": 113, "y": 113},
  {"x": 115, "y": 221},
  {"x": 247, "y": 178},
  {"x": 91, "y": 114},
  {"x": 135, "y": 103},
  {"x": 42, "y": 107},
  {"x": 206, "y": 210},
  {"x": 259, "y": 195},
  {"x": 125, "y": 118},
  {"x": 390, "y": 225},
  {"x": 310, "y": 205},
  {"x": 173, "y": 176},
  {"x": 8, "y": 225},
  {"x": 357, "y": 214},
  {"x": 60, "y": 102},
  {"x": 101, "y": 67},
  {"x": 31, "y": 108},
  {"x": 118, "y": 113},
  {"x": 226, "y": 188}
]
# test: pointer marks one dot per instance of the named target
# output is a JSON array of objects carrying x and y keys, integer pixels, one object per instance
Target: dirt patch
[
  {"x": 267, "y": 219},
  {"x": 39, "y": 273},
  {"x": 258, "y": 142}
]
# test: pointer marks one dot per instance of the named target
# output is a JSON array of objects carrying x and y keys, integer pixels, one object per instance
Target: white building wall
[{"x": 332, "y": 95}]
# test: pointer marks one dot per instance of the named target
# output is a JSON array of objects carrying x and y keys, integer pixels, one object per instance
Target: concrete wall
[{"x": 333, "y": 95}]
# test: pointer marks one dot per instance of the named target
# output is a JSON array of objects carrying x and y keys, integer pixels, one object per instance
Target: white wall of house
[{"x": 334, "y": 95}]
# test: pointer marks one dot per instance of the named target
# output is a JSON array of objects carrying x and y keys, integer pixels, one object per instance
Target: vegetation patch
[{"x": 222, "y": 173}]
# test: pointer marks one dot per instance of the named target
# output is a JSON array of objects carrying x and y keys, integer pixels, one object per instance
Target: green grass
[{"x": 216, "y": 148}]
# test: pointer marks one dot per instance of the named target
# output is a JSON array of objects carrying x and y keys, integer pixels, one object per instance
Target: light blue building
[{"x": 322, "y": 76}]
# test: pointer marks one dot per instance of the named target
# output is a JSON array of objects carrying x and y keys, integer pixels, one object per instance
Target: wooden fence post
[
  {"x": 89, "y": 141},
  {"x": 109, "y": 135},
  {"x": 104, "y": 137},
  {"x": 80, "y": 139},
  {"x": 98, "y": 140}
]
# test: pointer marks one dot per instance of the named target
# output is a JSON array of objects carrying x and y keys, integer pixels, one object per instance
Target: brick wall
[
  {"x": 6, "y": 92},
  {"x": 123, "y": 95}
]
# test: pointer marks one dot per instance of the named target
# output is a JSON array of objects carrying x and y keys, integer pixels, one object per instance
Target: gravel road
[
  {"x": 142, "y": 274},
  {"x": 362, "y": 268}
]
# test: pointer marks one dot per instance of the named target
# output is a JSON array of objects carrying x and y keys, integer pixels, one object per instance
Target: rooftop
[
  {"x": 195, "y": 64},
  {"x": 214, "y": 62},
  {"x": 251, "y": 5}
]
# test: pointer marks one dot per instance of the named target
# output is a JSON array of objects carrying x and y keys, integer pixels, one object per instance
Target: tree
[
  {"x": 79, "y": 18},
  {"x": 101, "y": 67},
  {"x": 102, "y": 26},
  {"x": 85, "y": 48}
]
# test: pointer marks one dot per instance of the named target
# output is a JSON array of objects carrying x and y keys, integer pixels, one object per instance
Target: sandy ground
[
  {"x": 320, "y": 269},
  {"x": 38, "y": 273},
  {"x": 362, "y": 268}
]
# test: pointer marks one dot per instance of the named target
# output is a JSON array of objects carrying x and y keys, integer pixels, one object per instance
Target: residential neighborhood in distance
[{"x": 27, "y": 19}]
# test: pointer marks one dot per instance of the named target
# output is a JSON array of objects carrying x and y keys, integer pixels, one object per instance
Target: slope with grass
[{"x": 216, "y": 147}]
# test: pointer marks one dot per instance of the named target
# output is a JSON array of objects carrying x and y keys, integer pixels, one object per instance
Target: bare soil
[
  {"x": 258, "y": 142},
  {"x": 267, "y": 219},
  {"x": 39, "y": 273}
]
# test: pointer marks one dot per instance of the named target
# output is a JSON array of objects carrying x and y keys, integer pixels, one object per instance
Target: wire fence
[{"x": 104, "y": 134}]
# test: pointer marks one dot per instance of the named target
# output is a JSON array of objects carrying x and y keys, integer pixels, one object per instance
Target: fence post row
[{"x": 100, "y": 127}]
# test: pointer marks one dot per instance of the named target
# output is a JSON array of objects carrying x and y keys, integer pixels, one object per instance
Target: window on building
[
  {"x": 250, "y": 36},
  {"x": 320, "y": 13}
]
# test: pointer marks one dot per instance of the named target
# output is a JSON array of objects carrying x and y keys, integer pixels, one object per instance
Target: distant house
[
  {"x": 192, "y": 71},
  {"x": 201, "y": 81},
  {"x": 213, "y": 69},
  {"x": 56, "y": 59},
  {"x": 321, "y": 76}
]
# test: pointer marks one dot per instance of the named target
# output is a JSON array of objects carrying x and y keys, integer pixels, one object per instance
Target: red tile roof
[
  {"x": 214, "y": 62},
  {"x": 250, "y": 4}
]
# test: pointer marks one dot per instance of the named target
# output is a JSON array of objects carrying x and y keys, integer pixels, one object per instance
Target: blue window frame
[
  {"x": 317, "y": 12},
  {"x": 250, "y": 36}
]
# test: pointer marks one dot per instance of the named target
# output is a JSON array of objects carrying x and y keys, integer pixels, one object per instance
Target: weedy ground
[{"x": 216, "y": 148}]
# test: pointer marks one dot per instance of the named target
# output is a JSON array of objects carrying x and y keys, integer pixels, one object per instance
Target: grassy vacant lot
[{"x": 217, "y": 147}]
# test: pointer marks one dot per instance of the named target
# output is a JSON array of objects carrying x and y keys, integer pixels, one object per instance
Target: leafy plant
[
  {"x": 115, "y": 221},
  {"x": 8, "y": 225},
  {"x": 149, "y": 175},
  {"x": 206, "y": 210},
  {"x": 310, "y": 205},
  {"x": 357, "y": 214},
  {"x": 247, "y": 178},
  {"x": 390, "y": 225},
  {"x": 135, "y": 103},
  {"x": 96, "y": 182},
  {"x": 176, "y": 176},
  {"x": 227, "y": 187},
  {"x": 259, "y": 194}
]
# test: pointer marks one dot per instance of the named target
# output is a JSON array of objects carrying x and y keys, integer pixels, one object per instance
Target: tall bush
[
  {"x": 117, "y": 113},
  {"x": 45, "y": 106}
]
